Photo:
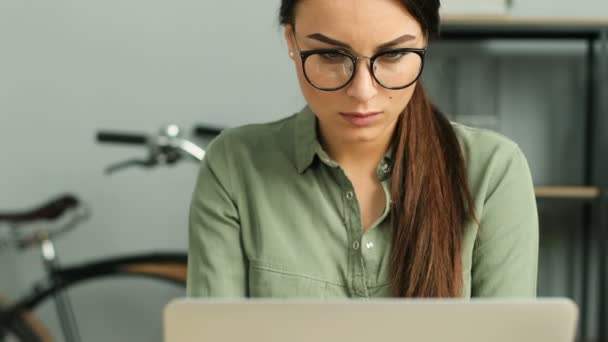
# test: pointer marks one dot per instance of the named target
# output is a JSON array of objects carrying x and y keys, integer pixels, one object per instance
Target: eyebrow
[{"x": 325, "y": 39}]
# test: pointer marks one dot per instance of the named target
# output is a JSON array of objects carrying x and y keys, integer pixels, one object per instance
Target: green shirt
[{"x": 273, "y": 216}]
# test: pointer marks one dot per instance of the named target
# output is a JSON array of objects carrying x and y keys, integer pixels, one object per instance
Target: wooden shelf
[
  {"x": 493, "y": 27},
  {"x": 526, "y": 21},
  {"x": 568, "y": 192}
]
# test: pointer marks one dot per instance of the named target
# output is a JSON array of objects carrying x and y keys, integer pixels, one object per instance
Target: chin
[{"x": 362, "y": 134}]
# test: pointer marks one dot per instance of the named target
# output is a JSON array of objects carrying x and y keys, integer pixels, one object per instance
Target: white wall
[
  {"x": 68, "y": 68},
  {"x": 560, "y": 8}
]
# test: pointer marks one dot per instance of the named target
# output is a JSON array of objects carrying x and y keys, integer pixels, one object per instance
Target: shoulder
[
  {"x": 483, "y": 143},
  {"x": 251, "y": 139},
  {"x": 490, "y": 158},
  {"x": 247, "y": 135},
  {"x": 483, "y": 148}
]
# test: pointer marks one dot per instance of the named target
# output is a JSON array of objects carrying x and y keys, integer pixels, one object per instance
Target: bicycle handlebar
[
  {"x": 205, "y": 131},
  {"x": 165, "y": 147},
  {"x": 121, "y": 138}
]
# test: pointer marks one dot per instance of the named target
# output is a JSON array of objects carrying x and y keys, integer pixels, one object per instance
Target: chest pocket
[{"x": 266, "y": 281}]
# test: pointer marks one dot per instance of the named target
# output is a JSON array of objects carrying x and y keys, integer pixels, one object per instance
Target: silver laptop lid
[{"x": 477, "y": 320}]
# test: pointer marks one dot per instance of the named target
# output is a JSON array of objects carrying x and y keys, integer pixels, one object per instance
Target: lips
[
  {"x": 361, "y": 119},
  {"x": 360, "y": 115}
]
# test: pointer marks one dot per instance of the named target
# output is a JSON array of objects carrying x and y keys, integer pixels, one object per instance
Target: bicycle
[{"x": 16, "y": 321}]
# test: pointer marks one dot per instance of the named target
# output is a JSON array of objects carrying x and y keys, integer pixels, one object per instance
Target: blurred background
[{"x": 70, "y": 68}]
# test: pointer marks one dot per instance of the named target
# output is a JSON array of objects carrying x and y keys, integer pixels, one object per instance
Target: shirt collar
[{"x": 306, "y": 142}]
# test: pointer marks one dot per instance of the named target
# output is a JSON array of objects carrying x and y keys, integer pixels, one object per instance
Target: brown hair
[{"x": 431, "y": 200}]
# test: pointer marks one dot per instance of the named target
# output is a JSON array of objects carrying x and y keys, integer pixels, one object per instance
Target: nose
[{"x": 363, "y": 87}]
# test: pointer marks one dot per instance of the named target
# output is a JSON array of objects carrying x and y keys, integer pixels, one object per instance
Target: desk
[{"x": 594, "y": 32}]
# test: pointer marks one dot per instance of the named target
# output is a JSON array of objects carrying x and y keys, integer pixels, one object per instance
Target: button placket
[{"x": 360, "y": 287}]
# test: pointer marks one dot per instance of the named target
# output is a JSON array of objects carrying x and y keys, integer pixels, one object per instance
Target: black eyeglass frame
[{"x": 304, "y": 55}]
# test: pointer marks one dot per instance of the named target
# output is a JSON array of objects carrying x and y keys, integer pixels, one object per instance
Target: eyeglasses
[{"x": 333, "y": 69}]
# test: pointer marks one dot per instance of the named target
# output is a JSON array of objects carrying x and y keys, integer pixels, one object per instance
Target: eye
[
  {"x": 393, "y": 55},
  {"x": 332, "y": 56}
]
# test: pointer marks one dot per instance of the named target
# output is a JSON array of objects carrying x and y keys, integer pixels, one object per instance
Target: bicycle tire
[{"x": 24, "y": 328}]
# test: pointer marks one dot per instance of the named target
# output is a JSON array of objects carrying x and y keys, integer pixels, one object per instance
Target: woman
[{"x": 368, "y": 191}]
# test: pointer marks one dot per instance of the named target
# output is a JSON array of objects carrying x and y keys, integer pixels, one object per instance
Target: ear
[{"x": 291, "y": 44}]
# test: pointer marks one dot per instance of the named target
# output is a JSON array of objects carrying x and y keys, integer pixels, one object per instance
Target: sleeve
[
  {"x": 216, "y": 262},
  {"x": 505, "y": 255}
]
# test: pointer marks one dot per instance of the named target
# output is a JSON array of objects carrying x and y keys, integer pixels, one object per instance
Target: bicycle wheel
[
  {"x": 167, "y": 267},
  {"x": 24, "y": 328}
]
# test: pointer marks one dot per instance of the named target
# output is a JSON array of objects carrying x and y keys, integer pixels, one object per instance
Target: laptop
[{"x": 274, "y": 320}]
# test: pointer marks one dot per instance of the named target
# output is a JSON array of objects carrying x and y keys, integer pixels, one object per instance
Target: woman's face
[{"x": 362, "y": 111}]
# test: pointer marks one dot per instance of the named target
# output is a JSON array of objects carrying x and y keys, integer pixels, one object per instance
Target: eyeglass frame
[{"x": 304, "y": 55}]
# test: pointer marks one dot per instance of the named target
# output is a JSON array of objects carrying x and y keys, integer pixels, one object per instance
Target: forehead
[{"x": 356, "y": 21}]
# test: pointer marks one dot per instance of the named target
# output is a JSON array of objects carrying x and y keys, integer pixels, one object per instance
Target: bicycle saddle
[{"x": 48, "y": 211}]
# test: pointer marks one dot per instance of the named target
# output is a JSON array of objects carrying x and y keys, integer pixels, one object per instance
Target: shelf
[
  {"x": 524, "y": 21},
  {"x": 592, "y": 31},
  {"x": 568, "y": 192},
  {"x": 475, "y": 27}
]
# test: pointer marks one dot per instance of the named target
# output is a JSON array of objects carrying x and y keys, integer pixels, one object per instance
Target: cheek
[
  {"x": 321, "y": 101},
  {"x": 306, "y": 88},
  {"x": 314, "y": 97},
  {"x": 398, "y": 100},
  {"x": 403, "y": 97}
]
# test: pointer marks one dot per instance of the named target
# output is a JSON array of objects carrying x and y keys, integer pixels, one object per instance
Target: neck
[{"x": 357, "y": 157}]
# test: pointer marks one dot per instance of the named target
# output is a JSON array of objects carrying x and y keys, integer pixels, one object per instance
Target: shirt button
[
  {"x": 356, "y": 245},
  {"x": 386, "y": 168},
  {"x": 350, "y": 195}
]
